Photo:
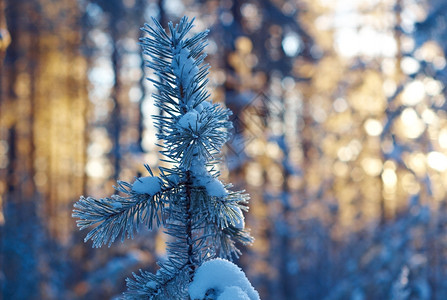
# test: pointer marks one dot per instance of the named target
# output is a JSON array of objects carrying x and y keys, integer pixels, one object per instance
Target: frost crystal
[{"x": 240, "y": 220}]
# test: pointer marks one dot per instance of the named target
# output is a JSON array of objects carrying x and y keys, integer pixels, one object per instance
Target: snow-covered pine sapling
[{"x": 202, "y": 216}]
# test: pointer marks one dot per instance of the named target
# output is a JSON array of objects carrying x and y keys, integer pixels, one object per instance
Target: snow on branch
[
  {"x": 221, "y": 279},
  {"x": 147, "y": 185},
  {"x": 117, "y": 215},
  {"x": 192, "y": 127},
  {"x": 202, "y": 216}
]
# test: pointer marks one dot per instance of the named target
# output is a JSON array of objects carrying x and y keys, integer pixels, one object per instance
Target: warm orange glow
[{"x": 340, "y": 129}]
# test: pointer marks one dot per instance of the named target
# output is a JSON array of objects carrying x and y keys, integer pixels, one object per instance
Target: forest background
[{"x": 340, "y": 138}]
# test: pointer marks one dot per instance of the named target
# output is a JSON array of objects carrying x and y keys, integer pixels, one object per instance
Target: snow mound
[
  {"x": 203, "y": 178},
  {"x": 226, "y": 279},
  {"x": 214, "y": 187},
  {"x": 204, "y": 105},
  {"x": 147, "y": 185},
  {"x": 233, "y": 293},
  {"x": 190, "y": 120}
]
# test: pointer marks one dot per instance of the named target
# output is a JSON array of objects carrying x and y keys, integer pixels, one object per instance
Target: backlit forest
[{"x": 340, "y": 138}]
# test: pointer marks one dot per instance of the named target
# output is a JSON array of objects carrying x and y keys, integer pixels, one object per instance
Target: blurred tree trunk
[
  {"x": 116, "y": 118},
  {"x": 42, "y": 111},
  {"x": 5, "y": 38},
  {"x": 19, "y": 233}
]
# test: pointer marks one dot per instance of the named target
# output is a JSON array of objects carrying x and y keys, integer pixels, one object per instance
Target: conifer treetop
[{"x": 202, "y": 215}]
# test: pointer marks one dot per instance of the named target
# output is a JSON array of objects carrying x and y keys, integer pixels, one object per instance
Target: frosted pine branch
[
  {"x": 202, "y": 216},
  {"x": 117, "y": 215},
  {"x": 192, "y": 127}
]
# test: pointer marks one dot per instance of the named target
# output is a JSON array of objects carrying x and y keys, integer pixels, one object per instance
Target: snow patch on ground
[
  {"x": 226, "y": 279},
  {"x": 147, "y": 185}
]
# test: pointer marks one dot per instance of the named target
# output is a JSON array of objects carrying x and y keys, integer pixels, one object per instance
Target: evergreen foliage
[{"x": 202, "y": 216}]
